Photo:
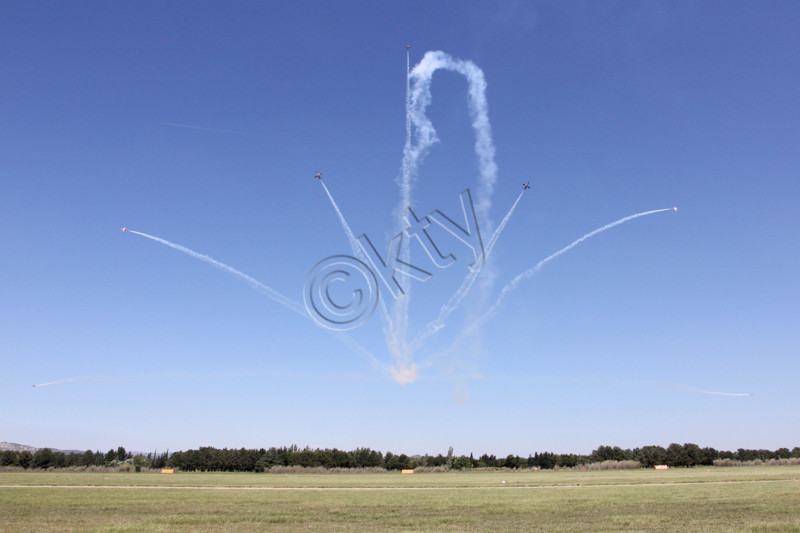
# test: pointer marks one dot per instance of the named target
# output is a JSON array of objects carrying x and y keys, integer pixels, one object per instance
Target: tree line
[
  {"x": 44, "y": 458},
  {"x": 261, "y": 460}
]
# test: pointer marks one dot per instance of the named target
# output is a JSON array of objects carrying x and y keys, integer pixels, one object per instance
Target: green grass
[{"x": 756, "y": 499}]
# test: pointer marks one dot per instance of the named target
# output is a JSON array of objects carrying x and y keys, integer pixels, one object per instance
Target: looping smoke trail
[
  {"x": 420, "y": 98},
  {"x": 270, "y": 293},
  {"x": 455, "y": 300},
  {"x": 418, "y": 90}
]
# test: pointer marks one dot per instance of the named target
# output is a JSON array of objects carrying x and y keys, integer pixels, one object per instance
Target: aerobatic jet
[
  {"x": 674, "y": 208},
  {"x": 408, "y": 46},
  {"x": 124, "y": 230},
  {"x": 526, "y": 186},
  {"x": 318, "y": 175}
]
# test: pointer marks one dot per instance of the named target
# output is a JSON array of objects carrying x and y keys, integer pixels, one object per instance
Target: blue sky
[{"x": 608, "y": 108}]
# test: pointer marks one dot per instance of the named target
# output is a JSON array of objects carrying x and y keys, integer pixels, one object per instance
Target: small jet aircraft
[
  {"x": 408, "y": 46},
  {"x": 124, "y": 229},
  {"x": 674, "y": 208},
  {"x": 526, "y": 186},
  {"x": 318, "y": 175}
]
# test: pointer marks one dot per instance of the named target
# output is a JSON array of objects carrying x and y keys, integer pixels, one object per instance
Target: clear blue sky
[{"x": 609, "y": 108}]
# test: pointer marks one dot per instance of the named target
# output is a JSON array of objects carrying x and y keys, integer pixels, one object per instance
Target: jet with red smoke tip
[
  {"x": 318, "y": 175},
  {"x": 124, "y": 229},
  {"x": 674, "y": 208},
  {"x": 526, "y": 186}
]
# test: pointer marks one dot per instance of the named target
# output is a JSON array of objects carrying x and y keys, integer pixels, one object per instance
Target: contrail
[
  {"x": 175, "y": 125},
  {"x": 496, "y": 234},
  {"x": 702, "y": 391},
  {"x": 532, "y": 271},
  {"x": 351, "y": 239},
  {"x": 536, "y": 268},
  {"x": 214, "y": 376},
  {"x": 455, "y": 300},
  {"x": 408, "y": 103},
  {"x": 59, "y": 382},
  {"x": 270, "y": 293},
  {"x": 397, "y": 334},
  {"x": 357, "y": 251}
]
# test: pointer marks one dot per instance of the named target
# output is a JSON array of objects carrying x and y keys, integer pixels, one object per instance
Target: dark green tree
[
  {"x": 694, "y": 455},
  {"x": 486, "y": 460},
  {"x": 709, "y": 456},
  {"x": 24, "y": 459},
  {"x": 607, "y": 453},
  {"x": 396, "y": 462},
  {"x": 43, "y": 458},
  {"x": 59, "y": 460},
  {"x": 676, "y": 455},
  {"x": 111, "y": 455},
  {"x": 462, "y": 462},
  {"x": 8, "y": 458}
]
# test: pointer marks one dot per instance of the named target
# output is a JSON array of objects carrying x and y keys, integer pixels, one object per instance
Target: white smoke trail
[
  {"x": 536, "y": 268},
  {"x": 397, "y": 333},
  {"x": 351, "y": 239},
  {"x": 270, "y": 293},
  {"x": 357, "y": 251},
  {"x": 703, "y": 391},
  {"x": 217, "y": 375},
  {"x": 418, "y": 88},
  {"x": 60, "y": 381},
  {"x": 532, "y": 271},
  {"x": 496, "y": 234},
  {"x": 407, "y": 145},
  {"x": 363, "y": 352},
  {"x": 455, "y": 300}
]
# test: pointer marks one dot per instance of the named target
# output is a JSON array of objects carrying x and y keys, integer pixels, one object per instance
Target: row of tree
[
  {"x": 250, "y": 460},
  {"x": 686, "y": 455},
  {"x": 46, "y": 458}
]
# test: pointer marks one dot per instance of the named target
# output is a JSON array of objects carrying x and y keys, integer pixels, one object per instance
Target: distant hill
[{"x": 14, "y": 447}]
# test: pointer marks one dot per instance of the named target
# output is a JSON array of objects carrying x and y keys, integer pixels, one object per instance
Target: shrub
[{"x": 614, "y": 465}]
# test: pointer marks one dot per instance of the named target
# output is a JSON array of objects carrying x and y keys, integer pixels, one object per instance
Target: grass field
[{"x": 758, "y": 499}]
